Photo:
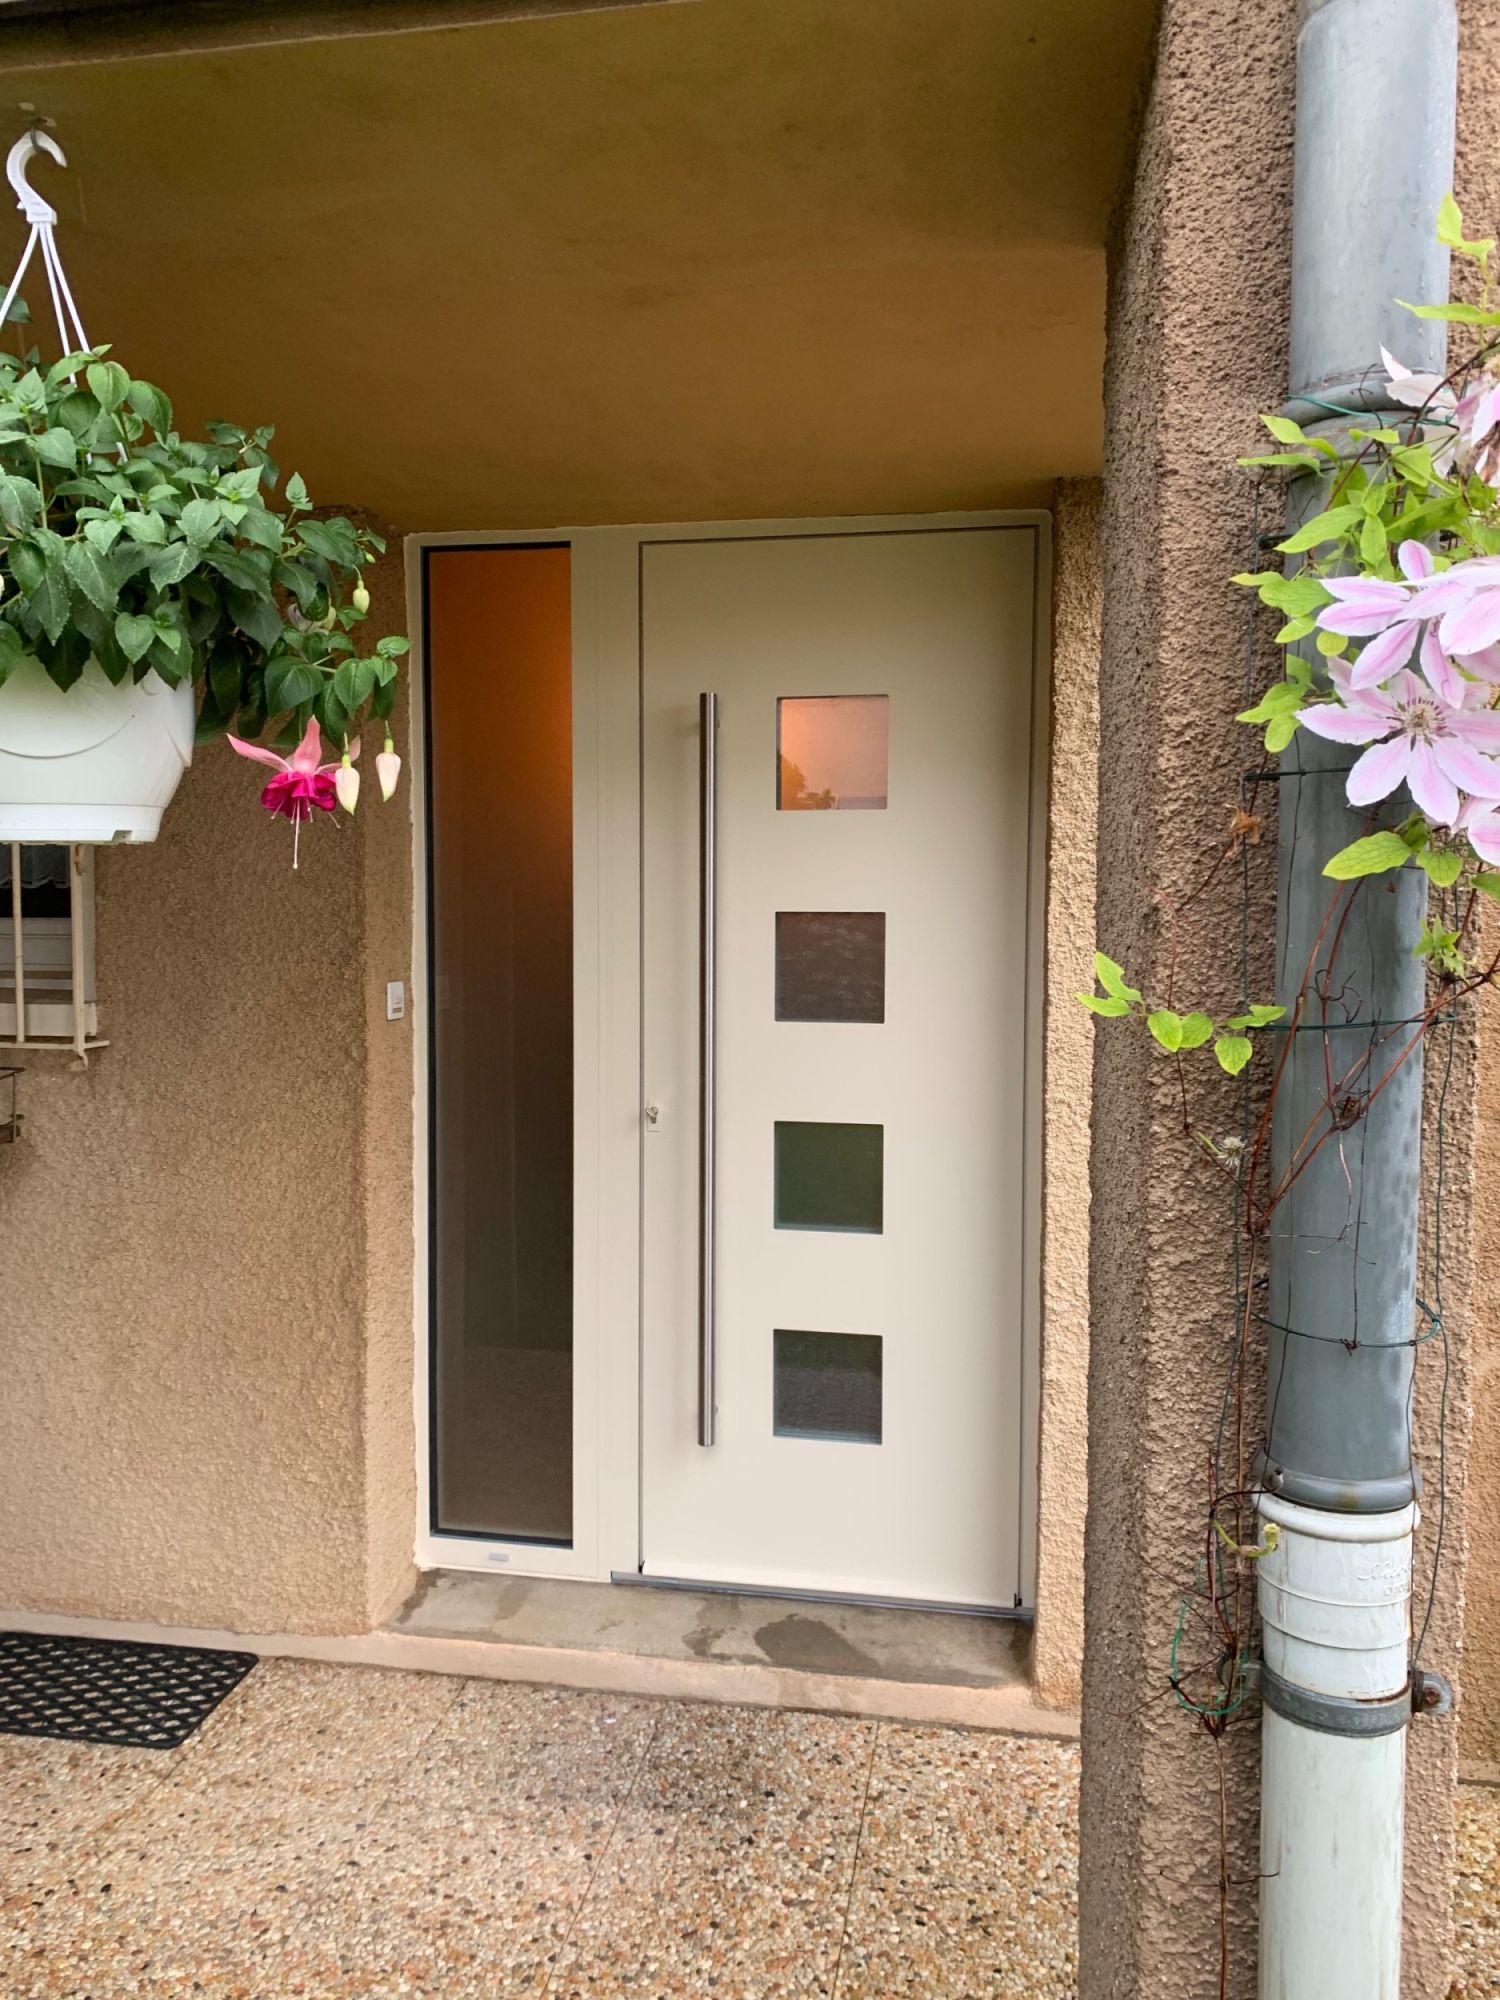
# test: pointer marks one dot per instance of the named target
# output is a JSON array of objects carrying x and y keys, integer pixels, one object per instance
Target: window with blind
[{"x": 46, "y": 947}]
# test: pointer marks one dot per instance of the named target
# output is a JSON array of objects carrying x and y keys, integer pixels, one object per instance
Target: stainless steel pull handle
[{"x": 708, "y": 923}]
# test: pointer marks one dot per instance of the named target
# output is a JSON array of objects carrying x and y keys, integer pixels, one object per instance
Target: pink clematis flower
[
  {"x": 1480, "y": 820},
  {"x": 1417, "y": 390},
  {"x": 1386, "y": 615},
  {"x": 1465, "y": 600},
  {"x": 1478, "y": 418},
  {"x": 1416, "y": 738},
  {"x": 1453, "y": 615}
]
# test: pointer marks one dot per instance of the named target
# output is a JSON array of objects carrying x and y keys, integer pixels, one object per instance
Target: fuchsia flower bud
[
  {"x": 388, "y": 768},
  {"x": 346, "y": 784}
]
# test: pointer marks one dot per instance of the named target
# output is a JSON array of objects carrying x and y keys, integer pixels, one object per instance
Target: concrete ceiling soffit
[{"x": 40, "y": 34}]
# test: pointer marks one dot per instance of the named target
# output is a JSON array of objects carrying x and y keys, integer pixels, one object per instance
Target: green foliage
[
  {"x": 1166, "y": 1028},
  {"x": 1178, "y": 1033},
  {"x": 1443, "y": 865},
  {"x": 1259, "y": 1016},
  {"x": 1112, "y": 978},
  {"x": 1450, "y": 232},
  {"x": 1373, "y": 855},
  {"x": 1441, "y": 948},
  {"x": 1278, "y": 707},
  {"x": 122, "y": 541},
  {"x": 1233, "y": 1052}
]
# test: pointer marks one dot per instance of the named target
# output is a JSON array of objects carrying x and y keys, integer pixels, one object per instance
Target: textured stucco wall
[
  {"x": 1197, "y": 345},
  {"x": 1477, "y": 184},
  {"x": 205, "y": 1283},
  {"x": 1479, "y": 1711},
  {"x": 1198, "y": 317},
  {"x": 1073, "y": 795}
]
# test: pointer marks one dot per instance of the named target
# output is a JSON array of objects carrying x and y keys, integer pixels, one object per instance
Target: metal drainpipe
[{"x": 1376, "y": 97}]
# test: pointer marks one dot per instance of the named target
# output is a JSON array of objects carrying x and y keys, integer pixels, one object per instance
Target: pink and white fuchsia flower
[{"x": 303, "y": 783}]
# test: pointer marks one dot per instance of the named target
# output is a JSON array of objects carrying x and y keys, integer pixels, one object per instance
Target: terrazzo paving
[
  {"x": 1476, "y": 1894},
  {"x": 335, "y": 1832}
]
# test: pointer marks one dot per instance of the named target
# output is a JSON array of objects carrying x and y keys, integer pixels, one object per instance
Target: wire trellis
[{"x": 1221, "y": 1591}]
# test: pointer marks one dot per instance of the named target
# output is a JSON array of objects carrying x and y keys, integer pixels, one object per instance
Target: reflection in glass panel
[
  {"x": 830, "y": 1176},
  {"x": 828, "y": 1386},
  {"x": 832, "y": 752},
  {"x": 46, "y": 883},
  {"x": 500, "y": 777},
  {"x": 830, "y": 965}
]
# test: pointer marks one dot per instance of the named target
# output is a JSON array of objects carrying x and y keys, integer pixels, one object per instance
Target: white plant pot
[{"x": 97, "y": 763}]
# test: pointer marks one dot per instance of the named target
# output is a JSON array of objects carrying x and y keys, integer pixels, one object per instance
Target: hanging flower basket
[
  {"x": 97, "y": 763},
  {"x": 157, "y": 589}
]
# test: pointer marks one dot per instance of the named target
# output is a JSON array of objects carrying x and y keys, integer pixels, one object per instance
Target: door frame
[{"x": 609, "y": 1087}]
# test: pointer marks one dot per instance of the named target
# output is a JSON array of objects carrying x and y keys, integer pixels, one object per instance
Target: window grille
[{"x": 47, "y": 949}]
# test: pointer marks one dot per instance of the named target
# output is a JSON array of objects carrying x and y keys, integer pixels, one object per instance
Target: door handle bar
[{"x": 708, "y": 922}]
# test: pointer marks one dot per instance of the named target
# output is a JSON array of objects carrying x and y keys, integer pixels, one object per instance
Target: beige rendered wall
[
  {"x": 1478, "y": 189},
  {"x": 205, "y": 1240},
  {"x": 1479, "y": 1711},
  {"x": 1072, "y": 832},
  {"x": 1197, "y": 347}
]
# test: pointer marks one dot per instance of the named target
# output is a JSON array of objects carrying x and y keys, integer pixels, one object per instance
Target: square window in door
[
  {"x": 832, "y": 752},
  {"x": 830, "y": 1176},
  {"x": 828, "y": 1386},
  {"x": 830, "y": 965}
]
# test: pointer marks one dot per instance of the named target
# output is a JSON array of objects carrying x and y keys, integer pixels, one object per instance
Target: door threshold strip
[{"x": 636, "y": 1580}]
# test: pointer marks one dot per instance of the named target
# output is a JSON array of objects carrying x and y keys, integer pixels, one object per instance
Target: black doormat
[{"x": 111, "y": 1690}]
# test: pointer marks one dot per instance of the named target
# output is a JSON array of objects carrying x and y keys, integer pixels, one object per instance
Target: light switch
[{"x": 395, "y": 1000}]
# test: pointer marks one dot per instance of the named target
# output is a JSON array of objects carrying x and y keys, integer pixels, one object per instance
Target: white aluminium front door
[{"x": 862, "y": 1216}]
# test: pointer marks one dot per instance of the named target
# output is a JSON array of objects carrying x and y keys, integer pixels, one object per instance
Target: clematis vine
[{"x": 1391, "y": 610}]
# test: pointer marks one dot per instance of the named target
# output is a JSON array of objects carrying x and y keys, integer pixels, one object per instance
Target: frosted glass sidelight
[
  {"x": 500, "y": 798},
  {"x": 828, "y": 1386},
  {"x": 832, "y": 752}
]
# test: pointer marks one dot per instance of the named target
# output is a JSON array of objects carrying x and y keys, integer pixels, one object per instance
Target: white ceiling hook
[{"x": 37, "y": 210}]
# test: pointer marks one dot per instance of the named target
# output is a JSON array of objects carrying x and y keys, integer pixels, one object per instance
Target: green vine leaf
[
  {"x": 1303, "y": 459},
  {"x": 1450, "y": 231},
  {"x": 1443, "y": 866},
  {"x": 1297, "y": 595},
  {"x": 1325, "y": 527},
  {"x": 1166, "y": 1028},
  {"x": 1259, "y": 1016},
  {"x": 1196, "y": 1030},
  {"x": 1109, "y": 1006},
  {"x": 1464, "y": 315},
  {"x": 1233, "y": 1052},
  {"x": 1488, "y": 884},
  {"x": 1286, "y": 430},
  {"x": 1112, "y": 978},
  {"x": 1373, "y": 855}
]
